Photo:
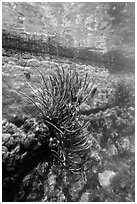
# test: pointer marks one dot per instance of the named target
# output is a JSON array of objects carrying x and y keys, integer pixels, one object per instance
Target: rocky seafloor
[{"x": 29, "y": 172}]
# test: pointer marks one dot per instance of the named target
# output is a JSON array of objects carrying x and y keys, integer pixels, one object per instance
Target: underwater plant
[{"x": 58, "y": 96}]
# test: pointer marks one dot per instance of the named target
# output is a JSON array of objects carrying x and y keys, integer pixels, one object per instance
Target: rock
[
  {"x": 10, "y": 128},
  {"x": 11, "y": 63},
  {"x": 84, "y": 107},
  {"x": 4, "y": 122},
  {"x": 28, "y": 124},
  {"x": 27, "y": 74},
  {"x": 6, "y": 137},
  {"x": 108, "y": 200},
  {"x": 18, "y": 120},
  {"x": 4, "y": 149},
  {"x": 33, "y": 63},
  {"x": 112, "y": 150},
  {"x": 105, "y": 178},
  {"x": 30, "y": 143},
  {"x": 85, "y": 197},
  {"x": 125, "y": 143}
]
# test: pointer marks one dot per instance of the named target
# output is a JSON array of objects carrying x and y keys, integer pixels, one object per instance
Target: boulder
[
  {"x": 85, "y": 197},
  {"x": 5, "y": 137},
  {"x": 105, "y": 178}
]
